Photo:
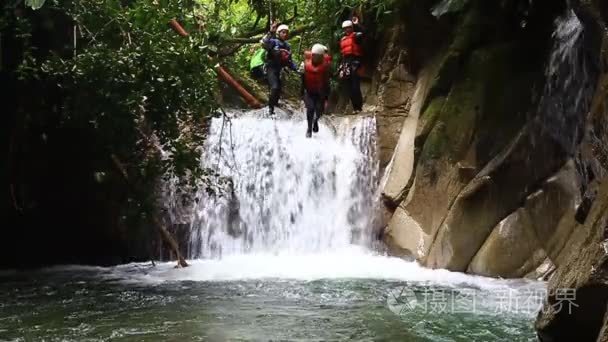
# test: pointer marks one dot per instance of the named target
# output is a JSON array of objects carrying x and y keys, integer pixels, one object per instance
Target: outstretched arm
[
  {"x": 358, "y": 30},
  {"x": 269, "y": 40}
]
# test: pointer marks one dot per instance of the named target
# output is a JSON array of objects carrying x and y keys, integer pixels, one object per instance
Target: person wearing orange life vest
[
  {"x": 315, "y": 85},
  {"x": 278, "y": 56},
  {"x": 350, "y": 47}
]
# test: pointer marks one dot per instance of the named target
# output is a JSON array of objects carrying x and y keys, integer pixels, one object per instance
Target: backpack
[{"x": 258, "y": 59}]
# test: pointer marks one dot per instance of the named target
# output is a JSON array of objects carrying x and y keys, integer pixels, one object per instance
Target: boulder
[
  {"x": 542, "y": 272},
  {"x": 552, "y": 209},
  {"x": 405, "y": 237},
  {"x": 448, "y": 157},
  {"x": 511, "y": 251},
  {"x": 476, "y": 210}
]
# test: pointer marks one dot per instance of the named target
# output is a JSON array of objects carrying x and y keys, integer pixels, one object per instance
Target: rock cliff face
[
  {"x": 498, "y": 163},
  {"x": 583, "y": 271}
]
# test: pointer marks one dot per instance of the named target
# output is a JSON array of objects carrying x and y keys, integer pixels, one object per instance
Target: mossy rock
[
  {"x": 467, "y": 35},
  {"x": 469, "y": 102},
  {"x": 428, "y": 119},
  {"x": 435, "y": 144}
]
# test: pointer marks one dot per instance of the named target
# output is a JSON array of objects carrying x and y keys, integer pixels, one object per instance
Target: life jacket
[
  {"x": 315, "y": 76},
  {"x": 350, "y": 47}
]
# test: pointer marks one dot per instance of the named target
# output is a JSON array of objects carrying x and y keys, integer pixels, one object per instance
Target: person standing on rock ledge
[
  {"x": 315, "y": 85},
  {"x": 278, "y": 56},
  {"x": 350, "y": 47}
]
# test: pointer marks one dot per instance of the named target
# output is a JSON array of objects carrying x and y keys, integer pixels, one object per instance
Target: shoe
[
  {"x": 308, "y": 134},
  {"x": 315, "y": 127}
]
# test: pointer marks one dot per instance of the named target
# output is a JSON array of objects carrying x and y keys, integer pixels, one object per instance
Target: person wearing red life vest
[
  {"x": 351, "y": 50},
  {"x": 315, "y": 85}
]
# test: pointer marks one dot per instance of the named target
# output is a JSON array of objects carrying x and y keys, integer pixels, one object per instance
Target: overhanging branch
[
  {"x": 257, "y": 38},
  {"x": 233, "y": 45},
  {"x": 255, "y": 32}
]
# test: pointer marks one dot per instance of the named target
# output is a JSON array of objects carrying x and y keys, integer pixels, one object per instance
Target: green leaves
[
  {"x": 132, "y": 80},
  {"x": 35, "y": 4},
  {"x": 133, "y": 77}
]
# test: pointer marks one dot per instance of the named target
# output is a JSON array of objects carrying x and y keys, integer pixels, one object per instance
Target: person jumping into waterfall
[
  {"x": 315, "y": 85},
  {"x": 278, "y": 56},
  {"x": 350, "y": 47}
]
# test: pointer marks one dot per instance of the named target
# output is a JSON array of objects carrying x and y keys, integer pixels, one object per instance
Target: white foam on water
[{"x": 345, "y": 264}]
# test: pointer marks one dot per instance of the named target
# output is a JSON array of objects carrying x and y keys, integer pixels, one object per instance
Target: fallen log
[
  {"x": 226, "y": 77},
  {"x": 178, "y": 28},
  {"x": 222, "y": 73},
  {"x": 164, "y": 233}
]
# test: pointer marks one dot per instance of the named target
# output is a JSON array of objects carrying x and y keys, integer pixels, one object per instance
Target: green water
[{"x": 95, "y": 304}]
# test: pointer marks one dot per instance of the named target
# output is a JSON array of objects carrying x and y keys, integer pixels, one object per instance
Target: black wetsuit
[
  {"x": 274, "y": 66},
  {"x": 352, "y": 82}
]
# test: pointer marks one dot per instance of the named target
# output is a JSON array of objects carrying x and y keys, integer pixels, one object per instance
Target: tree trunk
[{"x": 164, "y": 233}]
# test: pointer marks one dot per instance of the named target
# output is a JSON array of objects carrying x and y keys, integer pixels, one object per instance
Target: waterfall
[
  {"x": 448, "y": 6},
  {"x": 286, "y": 194},
  {"x": 570, "y": 82},
  {"x": 571, "y": 76}
]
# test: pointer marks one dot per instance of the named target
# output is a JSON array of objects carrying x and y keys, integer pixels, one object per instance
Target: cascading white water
[
  {"x": 447, "y": 6},
  {"x": 568, "y": 31},
  {"x": 570, "y": 84},
  {"x": 290, "y": 195}
]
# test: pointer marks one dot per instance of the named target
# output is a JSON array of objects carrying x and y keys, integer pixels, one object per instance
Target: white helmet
[
  {"x": 283, "y": 27},
  {"x": 318, "y": 49},
  {"x": 347, "y": 23}
]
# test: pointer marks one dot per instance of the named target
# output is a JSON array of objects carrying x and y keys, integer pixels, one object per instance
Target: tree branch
[
  {"x": 255, "y": 39},
  {"x": 262, "y": 30},
  {"x": 257, "y": 21},
  {"x": 250, "y": 40},
  {"x": 230, "y": 48}
]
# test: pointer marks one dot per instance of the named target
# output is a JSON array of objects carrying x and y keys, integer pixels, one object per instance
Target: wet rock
[
  {"x": 402, "y": 165},
  {"x": 578, "y": 292},
  {"x": 405, "y": 237},
  {"x": 391, "y": 93},
  {"x": 511, "y": 251},
  {"x": 542, "y": 272},
  {"x": 449, "y": 144},
  {"x": 497, "y": 191},
  {"x": 552, "y": 207},
  {"x": 583, "y": 270},
  {"x": 427, "y": 120}
]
